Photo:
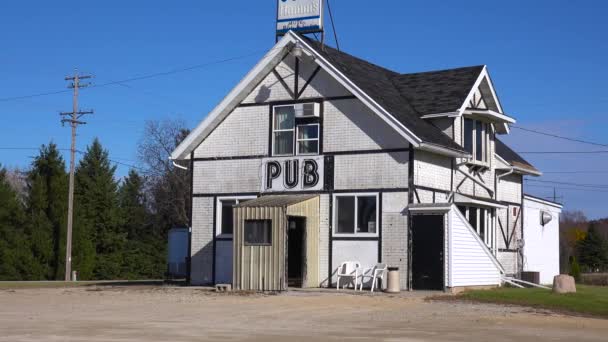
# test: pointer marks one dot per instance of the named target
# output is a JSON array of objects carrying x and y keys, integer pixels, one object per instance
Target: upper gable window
[
  {"x": 295, "y": 129},
  {"x": 476, "y": 139}
]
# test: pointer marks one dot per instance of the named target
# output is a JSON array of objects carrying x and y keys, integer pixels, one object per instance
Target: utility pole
[{"x": 73, "y": 118}]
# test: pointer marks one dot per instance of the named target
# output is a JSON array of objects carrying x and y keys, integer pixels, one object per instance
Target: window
[
  {"x": 356, "y": 214},
  {"x": 295, "y": 130},
  {"x": 482, "y": 220},
  {"x": 308, "y": 139},
  {"x": 226, "y": 224},
  {"x": 476, "y": 139},
  {"x": 283, "y": 127},
  {"x": 258, "y": 232},
  {"x": 225, "y": 214}
]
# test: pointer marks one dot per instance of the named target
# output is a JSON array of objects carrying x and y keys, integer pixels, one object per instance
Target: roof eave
[{"x": 446, "y": 151}]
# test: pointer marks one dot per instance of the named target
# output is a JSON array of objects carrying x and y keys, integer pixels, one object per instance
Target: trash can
[{"x": 392, "y": 284}]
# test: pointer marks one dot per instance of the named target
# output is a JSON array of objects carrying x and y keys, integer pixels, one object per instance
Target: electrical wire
[
  {"x": 568, "y": 183},
  {"x": 138, "y": 78},
  {"x": 333, "y": 26},
  {"x": 559, "y": 136}
]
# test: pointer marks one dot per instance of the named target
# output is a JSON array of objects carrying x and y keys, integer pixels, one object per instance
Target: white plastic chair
[
  {"x": 350, "y": 270},
  {"x": 374, "y": 273}
]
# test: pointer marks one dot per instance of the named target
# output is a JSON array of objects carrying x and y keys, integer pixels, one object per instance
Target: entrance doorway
[
  {"x": 296, "y": 251},
  {"x": 427, "y": 252}
]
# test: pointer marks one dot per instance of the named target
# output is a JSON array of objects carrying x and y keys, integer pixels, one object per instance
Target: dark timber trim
[
  {"x": 260, "y": 156},
  {"x": 331, "y": 240},
  {"x": 314, "y": 73},
  {"x": 337, "y": 153},
  {"x": 305, "y": 100},
  {"x": 355, "y": 152},
  {"x": 283, "y": 83},
  {"x": 354, "y": 238},
  {"x": 214, "y": 232},
  {"x": 410, "y": 200},
  {"x": 379, "y": 213},
  {"x": 317, "y": 192},
  {"x": 189, "y": 257},
  {"x": 296, "y": 78}
]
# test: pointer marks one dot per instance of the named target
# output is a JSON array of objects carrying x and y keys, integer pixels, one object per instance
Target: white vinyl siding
[{"x": 470, "y": 261}]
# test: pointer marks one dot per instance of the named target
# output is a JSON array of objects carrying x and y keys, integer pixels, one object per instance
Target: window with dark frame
[
  {"x": 356, "y": 214},
  {"x": 227, "y": 224},
  {"x": 293, "y": 132},
  {"x": 258, "y": 233},
  {"x": 475, "y": 139}
]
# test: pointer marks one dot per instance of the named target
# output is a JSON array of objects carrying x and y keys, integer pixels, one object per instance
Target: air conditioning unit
[{"x": 308, "y": 110}]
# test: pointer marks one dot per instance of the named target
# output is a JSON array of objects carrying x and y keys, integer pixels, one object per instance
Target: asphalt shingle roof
[
  {"x": 510, "y": 156},
  {"x": 437, "y": 92},
  {"x": 378, "y": 83}
]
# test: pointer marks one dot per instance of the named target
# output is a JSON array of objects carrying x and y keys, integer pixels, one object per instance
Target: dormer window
[
  {"x": 295, "y": 129},
  {"x": 476, "y": 140}
]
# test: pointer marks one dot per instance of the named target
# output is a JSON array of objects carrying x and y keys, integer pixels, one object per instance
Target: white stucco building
[{"x": 405, "y": 169}]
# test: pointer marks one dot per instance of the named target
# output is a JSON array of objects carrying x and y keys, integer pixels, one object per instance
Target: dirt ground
[{"x": 191, "y": 314}]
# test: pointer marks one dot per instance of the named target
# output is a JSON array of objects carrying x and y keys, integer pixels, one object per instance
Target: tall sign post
[{"x": 303, "y": 16}]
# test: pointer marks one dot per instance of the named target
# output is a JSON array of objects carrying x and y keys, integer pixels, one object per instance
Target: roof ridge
[{"x": 444, "y": 70}]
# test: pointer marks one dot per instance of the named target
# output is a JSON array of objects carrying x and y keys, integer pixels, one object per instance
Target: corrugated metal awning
[{"x": 275, "y": 201}]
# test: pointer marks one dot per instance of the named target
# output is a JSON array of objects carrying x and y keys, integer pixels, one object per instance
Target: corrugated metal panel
[
  {"x": 260, "y": 268},
  {"x": 310, "y": 210}
]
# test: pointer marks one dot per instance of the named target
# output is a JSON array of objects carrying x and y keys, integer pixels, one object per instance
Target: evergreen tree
[
  {"x": 99, "y": 241},
  {"x": 16, "y": 261},
  {"x": 593, "y": 250},
  {"x": 144, "y": 256},
  {"x": 47, "y": 211}
]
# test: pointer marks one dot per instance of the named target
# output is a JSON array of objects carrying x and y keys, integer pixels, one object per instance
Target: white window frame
[
  {"x": 295, "y": 151},
  {"x": 355, "y": 234},
  {"x": 486, "y": 131},
  {"x": 218, "y": 213},
  {"x": 298, "y": 140},
  {"x": 490, "y": 234}
]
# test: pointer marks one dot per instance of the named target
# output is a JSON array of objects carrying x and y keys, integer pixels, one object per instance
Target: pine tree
[
  {"x": 144, "y": 256},
  {"x": 99, "y": 241},
  {"x": 16, "y": 261},
  {"x": 47, "y": 211},
  {"x": 593, "y": 250}
]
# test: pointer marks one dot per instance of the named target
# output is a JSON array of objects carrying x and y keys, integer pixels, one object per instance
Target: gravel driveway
[{"x": 191, "y": 314}]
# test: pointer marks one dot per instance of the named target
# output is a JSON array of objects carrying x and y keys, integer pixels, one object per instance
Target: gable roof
[
  {"x": 378, "y": 83},
  {"x": 398, "y": 99},
  {"x": 439, "y": 91},
  {"x": 514, "y": 159}
]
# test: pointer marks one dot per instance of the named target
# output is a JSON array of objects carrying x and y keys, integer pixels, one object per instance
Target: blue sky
[{"x": 547, "y": 60}]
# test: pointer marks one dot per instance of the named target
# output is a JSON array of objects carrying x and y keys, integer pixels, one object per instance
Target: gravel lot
[{"x": 191, "y": 314}]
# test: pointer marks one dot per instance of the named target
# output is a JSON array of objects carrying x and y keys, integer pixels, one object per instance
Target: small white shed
[{"x": 541, "y": 237}]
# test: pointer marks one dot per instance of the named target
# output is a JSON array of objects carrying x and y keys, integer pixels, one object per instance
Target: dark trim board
[
  {"x": 337, "y": 153},
  {"x": 324, "y": 192},
  {"x": 510, "y": 250},
  {"x": 305, "y": 100},
  {"x": 354, "y": 238},
  {"x": 379, "y": 213},
  {"x": 378, "y": 151},
  {"x": 214, "y": 239},
  {"x": 259, "y": 156},
  {"x": 189, "y": 257},
  {"x": 426, "y": 188},
  {"x": 410, "y": 200}
]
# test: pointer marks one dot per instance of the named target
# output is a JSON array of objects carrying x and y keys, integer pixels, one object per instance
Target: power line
[
  {"x": 139, "y": 78},
  {"x": 574, "y": 172},
  {"x": 562, "y": 188},
  {"x": 568, "y": 183},
  {"x": 562, "y": 152},
  {"x": 559, "y": 136},
  {"x": 333, "y": 26}
]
